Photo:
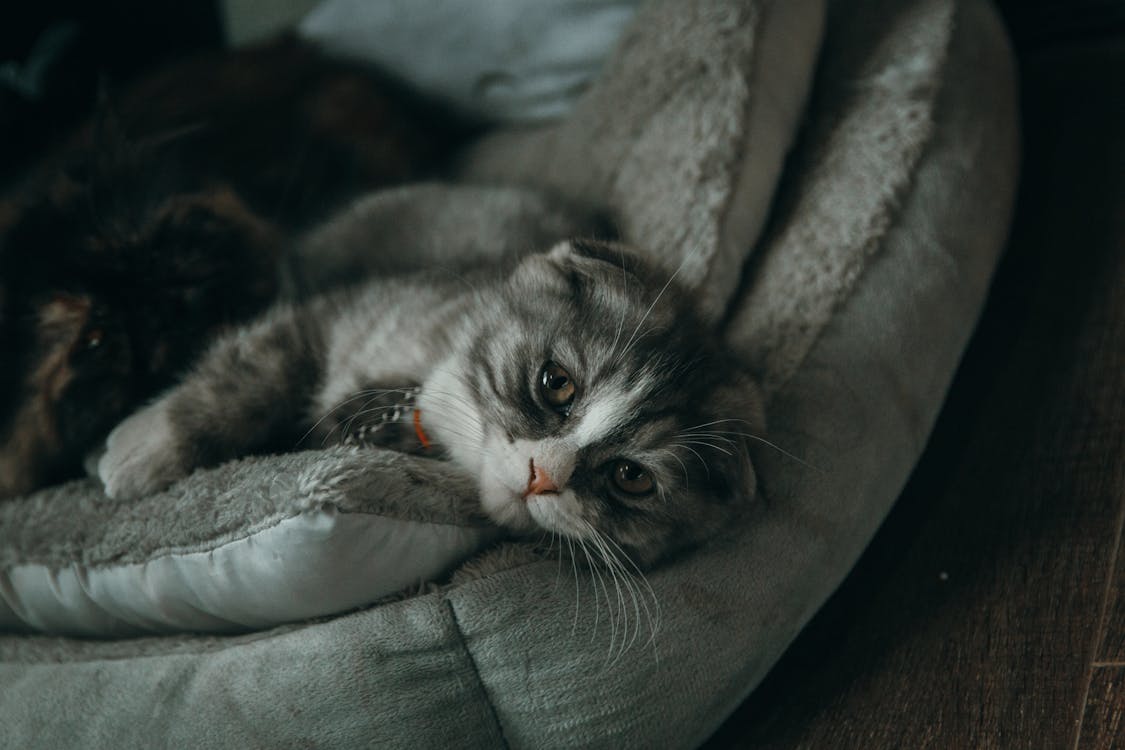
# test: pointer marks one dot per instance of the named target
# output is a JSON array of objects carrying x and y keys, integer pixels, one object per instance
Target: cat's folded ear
[
  {"x": 598, "y": 256},
  {"x": 574, "y": 266},
  {"x": 606, "y": 262},
  {"x": 739, "y": 423}
]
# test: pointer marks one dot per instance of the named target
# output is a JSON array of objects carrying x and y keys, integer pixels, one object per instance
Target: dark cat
[
  {"x": 578, "y": 387},
  {"x": 167, "y": 219}
]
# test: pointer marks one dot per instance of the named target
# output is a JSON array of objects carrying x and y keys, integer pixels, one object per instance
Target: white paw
[{"x": 141, "y": 454}]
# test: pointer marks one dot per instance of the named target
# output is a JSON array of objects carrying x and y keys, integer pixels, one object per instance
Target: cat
[
  {"x": 170, "y": 216},
  {"x": 577, "y": 386}
]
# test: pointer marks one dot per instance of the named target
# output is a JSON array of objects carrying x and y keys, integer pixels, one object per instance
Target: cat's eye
[
  {"x": 556, "y": 387},
  {"x": 631, "y": 478}
]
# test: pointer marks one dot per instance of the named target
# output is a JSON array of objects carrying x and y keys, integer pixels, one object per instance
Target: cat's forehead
[{"x": 616, "y": 419}]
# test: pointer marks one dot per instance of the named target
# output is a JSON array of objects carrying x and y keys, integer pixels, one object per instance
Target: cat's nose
[{"x": 538, "y": 481}]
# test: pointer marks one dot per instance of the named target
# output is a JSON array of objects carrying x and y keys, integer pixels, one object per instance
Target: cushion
[
  {"x": 516, "y": 62},
  {"x": 249, "y": 545},
  {"x": 880, "y": 244},
  {"x": 683, "y": 138}
]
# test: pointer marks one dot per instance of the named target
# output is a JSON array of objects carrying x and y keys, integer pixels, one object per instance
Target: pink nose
[{"x": 538, "y": 481}]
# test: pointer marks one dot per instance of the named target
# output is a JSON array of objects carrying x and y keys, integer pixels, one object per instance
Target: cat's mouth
[
  {"x": 561, "y": 514},
  {"x": 538, "y": 506}
]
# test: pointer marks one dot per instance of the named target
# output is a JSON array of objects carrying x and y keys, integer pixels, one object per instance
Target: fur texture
[
  {"x": 167, "y": 218},
  {"x": 649, "y": 453}
]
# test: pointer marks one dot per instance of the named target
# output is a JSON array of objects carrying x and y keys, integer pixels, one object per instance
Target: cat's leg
[{"x": 248, "y": 394}]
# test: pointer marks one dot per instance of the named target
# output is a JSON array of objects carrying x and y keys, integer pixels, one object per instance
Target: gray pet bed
[{"x": 850, "y": 281}]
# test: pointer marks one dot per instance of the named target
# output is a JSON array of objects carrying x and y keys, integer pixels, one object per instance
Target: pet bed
[{"x": 850, "y": 282}]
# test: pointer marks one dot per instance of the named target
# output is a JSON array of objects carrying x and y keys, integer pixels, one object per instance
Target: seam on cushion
[
  {"x": 207, "y": 643},
  {"x": 165, "y": 552},
  {"x": 157, "y": 553},
  {"x": 121, "y": 559},
  {"x": 9, "y": 558},
  {"x": 468, "y": 657}
]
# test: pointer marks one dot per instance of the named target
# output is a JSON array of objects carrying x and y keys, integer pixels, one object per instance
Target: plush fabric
[
  {"x": 875, "y": 95},
  {"x": 439, "y": 225},
  {"x": 875, "y": 312},
  {"x": 251, "y": 544},
  {"x": 683, "y": 137}
]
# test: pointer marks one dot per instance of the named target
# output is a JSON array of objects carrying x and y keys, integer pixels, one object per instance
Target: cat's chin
[
  {"x": 558, "y": 513},
  {"x": 537, "y": 513}
]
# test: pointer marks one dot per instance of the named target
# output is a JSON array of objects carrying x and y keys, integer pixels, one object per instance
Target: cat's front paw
[{"x": 142, "y": 454}]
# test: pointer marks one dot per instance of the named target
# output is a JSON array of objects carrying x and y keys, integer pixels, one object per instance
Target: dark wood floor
[{"x": 989, "y": 611}]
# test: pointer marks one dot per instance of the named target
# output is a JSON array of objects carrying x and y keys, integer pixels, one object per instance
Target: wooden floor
[{"x": 989, "y": 611}]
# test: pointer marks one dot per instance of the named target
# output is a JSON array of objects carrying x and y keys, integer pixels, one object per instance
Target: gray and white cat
[{"x": 578, "y": 386}]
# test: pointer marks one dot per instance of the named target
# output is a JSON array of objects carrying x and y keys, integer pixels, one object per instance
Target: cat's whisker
[
  {"x": 706, "y": 467},
  {"x": 631, "y": 588},
  {"x": 625, "y": 286},
  {"x": 706, "y": 444},
  {"x": 612, "y": 566},
  {"x": 654, "y": 620},
  {"x": 680, "y": 461},
  {"x": 371, "y": 393},
  {"x": 601, "y": 573},
  {"x": 779, "y": 449},
  {"x": 558, "y": 571},
  {"x": 708, "y": 435},
  {"x": 605, "y": 545},
  {"x": 577, "y": 585},
  {"x": 329, "y": 413},
  {"x": 605, "y": 588},
  {"x": 717, "y": 421},
  {"x": 593, "y": 581},
  {"x": 593, "y": 537},
  {"x": 648, "y": 312},
  {"x": 364, "y": 411}
]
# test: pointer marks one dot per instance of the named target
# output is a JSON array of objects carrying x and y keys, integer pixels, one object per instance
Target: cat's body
[{"x": 578, "y": 387}]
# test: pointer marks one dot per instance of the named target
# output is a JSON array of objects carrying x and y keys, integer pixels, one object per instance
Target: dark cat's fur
[
  {"x": 108, "y": 286},
  {"x": 578, "y": 387},
  {"x": 166, "y": 219}
]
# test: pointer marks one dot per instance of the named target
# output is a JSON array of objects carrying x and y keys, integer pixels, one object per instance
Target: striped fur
[{"x": 653, "y": 386}]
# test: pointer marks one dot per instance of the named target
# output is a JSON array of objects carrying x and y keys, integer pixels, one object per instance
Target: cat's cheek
[{"x": 452, "y": 419}]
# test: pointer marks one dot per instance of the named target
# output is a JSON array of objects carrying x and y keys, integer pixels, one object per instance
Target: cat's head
[{"x": 592, "y": 402}]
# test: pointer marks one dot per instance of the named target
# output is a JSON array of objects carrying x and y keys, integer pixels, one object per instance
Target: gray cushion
[
  {"x": 495, "y": 60},
  {"x": 683, "y": 137},
  {"x": 248, "y": 545},
  {"x": 877, "y": 257}
]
